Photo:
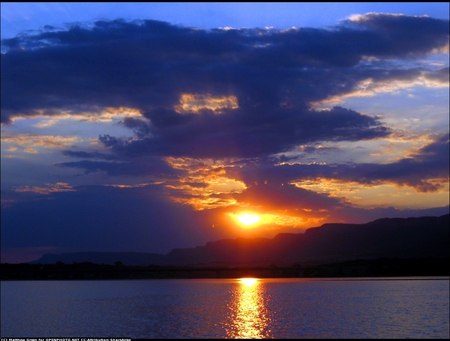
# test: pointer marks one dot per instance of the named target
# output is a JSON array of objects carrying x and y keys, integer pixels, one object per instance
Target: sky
[{"x": 145, "y": 127}]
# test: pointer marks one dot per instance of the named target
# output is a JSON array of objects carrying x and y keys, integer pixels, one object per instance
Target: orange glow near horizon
[{"x": 386, "y": 194}]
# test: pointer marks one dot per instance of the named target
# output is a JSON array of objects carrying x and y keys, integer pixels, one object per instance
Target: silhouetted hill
[
  {"x": 383, "y": 238},
  {"x": 129, "y": 258}
]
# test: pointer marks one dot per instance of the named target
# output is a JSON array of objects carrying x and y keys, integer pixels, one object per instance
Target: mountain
[
  {"x": 128, "y": 258},
  {"x": 383, "y": 238}
]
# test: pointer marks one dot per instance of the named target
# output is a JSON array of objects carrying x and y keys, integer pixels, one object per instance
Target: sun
[{"x": 248, "y": 219}]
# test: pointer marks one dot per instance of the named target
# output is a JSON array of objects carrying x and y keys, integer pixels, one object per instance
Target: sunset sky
[{"x": 151, "y": 126}]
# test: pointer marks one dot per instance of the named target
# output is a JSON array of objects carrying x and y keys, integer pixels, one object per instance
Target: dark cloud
[
  {"x": 401, "y": 35},
  {"x": 112, "y": 219},
  {"x": 274, "y": 75},
  {"x": 430, "y": 163},
  {"x": 272, "y": 78},
  {"x": 142, "y": 167},
  {"x": 436, "y": 152},
  {"x": 88, "y": 155},
  {"x": 280, "y": 196},
  {"x": 250, "y": 133},
  {"x": 440, "y": 76},
  {"x": 140, "y": 127}
]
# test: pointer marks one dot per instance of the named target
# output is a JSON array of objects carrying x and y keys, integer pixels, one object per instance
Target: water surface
[{"x": 227, "y": 308}]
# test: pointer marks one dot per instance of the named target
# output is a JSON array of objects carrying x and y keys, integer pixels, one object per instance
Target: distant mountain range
[{"x": 421, "y": 237}]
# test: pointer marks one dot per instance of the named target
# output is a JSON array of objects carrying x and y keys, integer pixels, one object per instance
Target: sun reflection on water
[{"x": 249, "y": 319}]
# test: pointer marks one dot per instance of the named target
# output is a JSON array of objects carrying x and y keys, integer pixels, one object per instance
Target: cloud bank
[{"x": 219, "y": 120}]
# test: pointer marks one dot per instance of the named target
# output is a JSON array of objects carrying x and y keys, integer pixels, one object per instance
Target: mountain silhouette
[{"x": 422, "y": 237}]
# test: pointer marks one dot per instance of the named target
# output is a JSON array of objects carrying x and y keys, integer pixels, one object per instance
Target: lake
[{"x": 228, "y": 308}]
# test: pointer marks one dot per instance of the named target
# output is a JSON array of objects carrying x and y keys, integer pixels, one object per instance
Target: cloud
[
  {"x": 81, "y": 67},
  {"x": 249, "y": 133},
  {"x": 223, "y": 120},
  {"x": 50, "y": 188},
  {"x": 438, "y": 78},
  {"x": 280, "y": 196},
  {"x": 401, "y": 35},
  {"x": 142, "y": 167},
  {"x": 88, "y": 155},
  {"x": 174, "y": 80},
  {"x": 52, "y": 117},
  {"x": 387, "y": 80},
  {"x": 425, "y": 170},
  {"x": 101, "y": 218},
  {"x": 34, "y": 140}
]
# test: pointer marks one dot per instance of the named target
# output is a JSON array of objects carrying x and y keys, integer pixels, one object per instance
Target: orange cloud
[
  {"x": 51, "y": 188},
  {"x": 205, "y": 186},
  {"x": 370, "y": 87},
  {"x": 30, "y": 151},
  {"x": 196, "y": 102},
  {"x": 108, "y": 114},
  {"x": 34, "y": 140}
]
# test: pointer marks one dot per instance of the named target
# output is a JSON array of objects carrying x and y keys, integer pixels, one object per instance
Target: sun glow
[{"x": 248, "y": 219}]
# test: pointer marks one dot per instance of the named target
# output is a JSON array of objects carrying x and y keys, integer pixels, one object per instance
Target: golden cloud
[
  {"x": 108, "y": 114},
  {"x": 369, "y": 88},
  {"x": 195, "y": 102},
  {"x": 205, "y": 186},
  {"x": 45, "y": 141},
  {"x": 50, "y": 188}
]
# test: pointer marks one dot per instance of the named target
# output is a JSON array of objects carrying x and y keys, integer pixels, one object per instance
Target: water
[{"x": 227, "y": 308}]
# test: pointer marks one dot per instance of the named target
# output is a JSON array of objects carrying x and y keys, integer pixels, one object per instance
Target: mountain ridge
[{"x": 419, "y": 237}]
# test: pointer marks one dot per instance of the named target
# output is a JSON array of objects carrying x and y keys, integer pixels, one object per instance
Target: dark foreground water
[{"x": 227, "y": 308}]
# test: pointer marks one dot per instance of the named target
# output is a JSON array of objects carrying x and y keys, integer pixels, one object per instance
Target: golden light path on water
[{"x": 249, "y": 319}]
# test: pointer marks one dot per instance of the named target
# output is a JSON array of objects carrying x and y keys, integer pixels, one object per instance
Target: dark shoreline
[{"x": 426, "y": 267}]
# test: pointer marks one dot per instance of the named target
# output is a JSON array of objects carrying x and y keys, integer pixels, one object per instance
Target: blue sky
[
  {"x": 20, "y": 16},
  {"x": 149, "y": 126}
]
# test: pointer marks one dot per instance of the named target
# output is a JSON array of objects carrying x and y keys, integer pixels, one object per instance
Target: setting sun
[{"x": 248, "y": 219}]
